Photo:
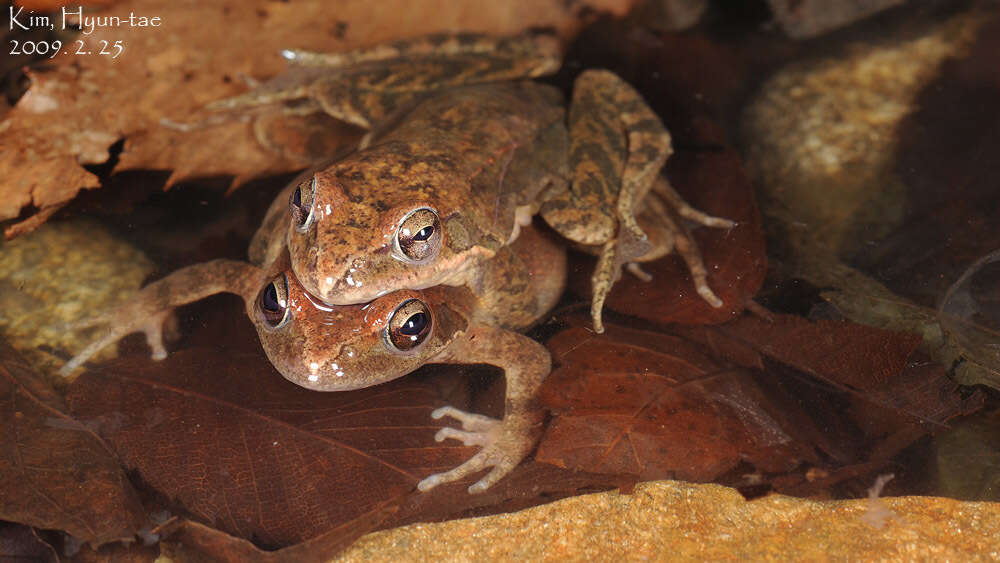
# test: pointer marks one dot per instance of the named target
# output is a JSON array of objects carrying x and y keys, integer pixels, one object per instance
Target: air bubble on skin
[
  {"x": 328, "y": 209},
  {"x": 340, "y": 374},
  {"x": 314, "y": 367},
  {"x": 314, "y": 378},
  {"x": 970, "y": 313},
  {"x": 282, "y": 303},
  {"x": 329, "y": 281}
]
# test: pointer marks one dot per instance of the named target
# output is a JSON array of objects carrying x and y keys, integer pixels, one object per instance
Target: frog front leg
[
  {"x": 617, "y": 147},
  {"x": 505, "y": 443},
  {"x": 148, "y": 310}
]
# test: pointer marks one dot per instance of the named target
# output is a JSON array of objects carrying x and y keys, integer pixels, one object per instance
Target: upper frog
[
  {"x": 462, "y": 152},
  {"x": 431, "y": 200}
]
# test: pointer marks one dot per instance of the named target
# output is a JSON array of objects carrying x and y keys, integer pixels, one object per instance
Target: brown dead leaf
[
  {"x": 715, "y": 183},
  {"x": 263, "y": 460},
  {"x": 241, "y": 448},
  {"x": 82, "y": 103},
  {"x": 672, "y": 403},
  {"x": 877, "y": 366},
  {"x": 54, "y": 472},
  {"x": 530, "y": 484},
  {"x": 656, "y": 406}
]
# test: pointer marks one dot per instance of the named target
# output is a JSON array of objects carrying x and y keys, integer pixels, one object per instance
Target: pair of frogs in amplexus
[{"x": 418, "y": 248}]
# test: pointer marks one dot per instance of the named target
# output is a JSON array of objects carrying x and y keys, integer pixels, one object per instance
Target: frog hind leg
[
  {"x": 617, "y": 147},
  {"x": 151, "y": 309},
  {"x": 663, "y": 216},
  {"x": 680, "y": 235},
  {"x": 505, "y": 443},
  {"x": 364, "y": 86}
]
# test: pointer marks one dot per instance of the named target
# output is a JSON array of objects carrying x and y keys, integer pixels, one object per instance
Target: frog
[
  {"x": 463, "y": 150},
  {"x": 341, "y": 348}
]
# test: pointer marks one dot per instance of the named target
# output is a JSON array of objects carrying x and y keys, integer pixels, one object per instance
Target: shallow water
[{"x": 862, "y": 169}]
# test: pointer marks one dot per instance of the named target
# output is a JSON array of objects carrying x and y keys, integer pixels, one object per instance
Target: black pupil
[
  {"x": 297, "y": 197},
  {"x": 414, "y": 325},
  {"x": 424, "y": 234},
  {"x": 269, "y": 301}
]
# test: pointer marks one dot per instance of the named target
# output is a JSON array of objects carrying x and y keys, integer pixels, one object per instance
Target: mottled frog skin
[{"x": 462, "y": 153}]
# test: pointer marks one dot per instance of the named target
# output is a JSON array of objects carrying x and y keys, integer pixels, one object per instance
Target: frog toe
[
  {"x": 470, "y": 421},
  {"x": 467, "y": 438},
  {"x": 151, "y": 325}
]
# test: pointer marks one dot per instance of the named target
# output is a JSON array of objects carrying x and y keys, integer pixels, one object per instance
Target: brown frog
[
  {"x": 339, "y": 348},
  {"x": 333, "y": 348},
  {"x": 462, "y": 152}
]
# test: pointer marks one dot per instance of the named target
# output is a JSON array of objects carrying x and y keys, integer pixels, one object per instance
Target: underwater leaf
[
  {"x": 55, "y": 473},
  {"x": 656, "y": 406},
  {"x": 879, "y": 367},
  {"x": 530, "y": 484},
  {"x": 81, "y": 104},
  {"x": 691, "y": 402},
  {"x": 243, "y": 449},
  {"x": 715, "y": 183}
]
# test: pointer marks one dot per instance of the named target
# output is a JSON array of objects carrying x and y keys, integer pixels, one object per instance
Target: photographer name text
[{"x": 74, "y": 18}]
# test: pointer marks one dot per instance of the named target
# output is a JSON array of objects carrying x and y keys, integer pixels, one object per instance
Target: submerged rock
[
  {"x": 820, "y": 136},
  {"x": 61, "y": 273},
  {"x": 670, "y": 520}
]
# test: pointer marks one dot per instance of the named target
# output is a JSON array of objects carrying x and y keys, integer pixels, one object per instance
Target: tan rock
[{"x": 670, "y": 520}]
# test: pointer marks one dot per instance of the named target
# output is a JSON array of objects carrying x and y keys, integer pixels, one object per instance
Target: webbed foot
[{"x": 504, "y": 444}]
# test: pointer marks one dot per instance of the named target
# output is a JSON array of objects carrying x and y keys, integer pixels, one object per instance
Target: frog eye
[
  {"x": 301, "y": 203},
  {"x": 272, "y": 302},
  {"x": 418, "y": 238},
  {"x": 409, "y": 326}
]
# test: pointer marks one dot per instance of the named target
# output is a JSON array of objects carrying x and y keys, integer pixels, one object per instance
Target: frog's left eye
[
  {"x": 409, "y": 326},
  {"x": 418, "y": 238},
  {"x": 272, "y": 303},
  {"x": 301, "y": 204}
]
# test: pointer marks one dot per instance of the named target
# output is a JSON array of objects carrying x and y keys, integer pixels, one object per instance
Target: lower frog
[
  {"x": 334, "y": 348},
  {"x": 339, "y": 348},
  {"x": 462, "y": 151}
]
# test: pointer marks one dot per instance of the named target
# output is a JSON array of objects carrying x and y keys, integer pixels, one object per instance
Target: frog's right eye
[
  {"x": 418, "y": 237},
  {"x": 272, "y": 303},
  {"x": 409, "y": 326},
  {"x": 301, "y": 203}
]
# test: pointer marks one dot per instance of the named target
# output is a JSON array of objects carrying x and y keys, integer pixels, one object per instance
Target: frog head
[
  {"x": 380, "y": 221},
  {"x": 339, "y": 348}
]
